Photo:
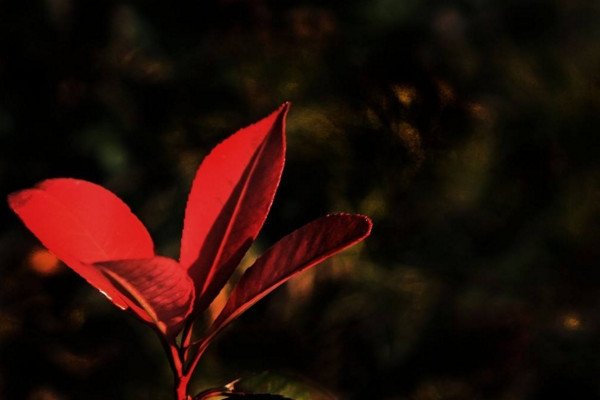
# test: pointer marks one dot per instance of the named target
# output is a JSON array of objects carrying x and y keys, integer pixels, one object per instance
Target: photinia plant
[{"x": 92, "y": 231}]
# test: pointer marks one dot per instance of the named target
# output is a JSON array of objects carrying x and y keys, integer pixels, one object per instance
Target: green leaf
[
  {"x": 283, "y": 385},
  {"x": 268, "y": 386}
]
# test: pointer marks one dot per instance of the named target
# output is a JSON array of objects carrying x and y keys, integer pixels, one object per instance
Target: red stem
[
  {"x": 180, "y": 380},
  {"x": 179, "y": 356},
  {"x": 192, "y": 366},
  {"x": 181, "y": 383},
  {"x": 186, "y": 338}
]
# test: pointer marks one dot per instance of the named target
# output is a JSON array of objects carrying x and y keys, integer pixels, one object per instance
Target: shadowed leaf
[
  {"x": 291, "y": 255},
  {"x": 273, "y": 385},
  {"x": 159, "y": 285}
]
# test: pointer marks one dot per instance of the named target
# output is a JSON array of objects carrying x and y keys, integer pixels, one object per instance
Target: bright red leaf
[
  {"x": 158, "y": 285},
  {"x": 229, "y": 201},
  {"x": 83, "y": 223},
  {"x": 94, "y": 232},
  {"x": 291, "y": 255}
]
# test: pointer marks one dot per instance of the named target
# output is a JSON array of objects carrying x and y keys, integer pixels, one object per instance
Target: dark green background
[{"x": 467, "y": 130}]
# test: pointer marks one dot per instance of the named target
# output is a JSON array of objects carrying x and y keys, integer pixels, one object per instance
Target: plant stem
[
  {"x": 181, "y": 383},
  {"x": 186, "y": 338},
  {"x": 180, "y": 380},
  {"x": 199, "y": 351}
]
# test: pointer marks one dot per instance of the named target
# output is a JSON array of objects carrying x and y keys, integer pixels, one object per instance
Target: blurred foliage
[{"x": 466, "y": 129}]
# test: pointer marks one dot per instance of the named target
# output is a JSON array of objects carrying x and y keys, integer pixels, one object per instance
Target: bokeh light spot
[
  {"x": 571, "y": 322},
  {"x": 405, "y": 95},
  {"x": 43, "y": 262}
]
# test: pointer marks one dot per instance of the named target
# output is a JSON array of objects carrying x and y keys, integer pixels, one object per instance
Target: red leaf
[
  {"x": 291, "y": 255},
  {"x": 229, "y": 201},
  {"x": 158, "y": 285},
  {"x": 82, "y": 223}
]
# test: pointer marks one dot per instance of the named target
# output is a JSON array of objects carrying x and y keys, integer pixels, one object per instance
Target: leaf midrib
[{"x": 213, "y": 267}]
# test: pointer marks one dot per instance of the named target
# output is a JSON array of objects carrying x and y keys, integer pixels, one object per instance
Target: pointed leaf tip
[
  {"x": 230, "y": 198},
  {"x": 296, "y": 252}
]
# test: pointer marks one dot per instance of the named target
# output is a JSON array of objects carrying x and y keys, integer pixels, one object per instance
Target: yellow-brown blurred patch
[
  {"x": 44, "y": 393},
  {"x": 479, "y": 111},
  {"x": 301, "y": 286},
  {"x": 78, "y": 364},
  {"x": 214, "y": 309},
  {"x": 571, "y": 322},
  {"x": 445, "y": 92},
  {"x": 405, "y": 94},
  {"x": 411, "y": 138}
]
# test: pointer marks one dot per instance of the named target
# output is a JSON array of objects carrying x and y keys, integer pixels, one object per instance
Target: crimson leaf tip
[{"x": 16, "y": 200}]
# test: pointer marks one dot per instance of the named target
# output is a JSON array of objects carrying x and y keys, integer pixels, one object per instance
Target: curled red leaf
[{"x": 158, "y": 285}]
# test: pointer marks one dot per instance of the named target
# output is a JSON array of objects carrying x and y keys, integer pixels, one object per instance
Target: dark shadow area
[{"x": 467, "y": 130}]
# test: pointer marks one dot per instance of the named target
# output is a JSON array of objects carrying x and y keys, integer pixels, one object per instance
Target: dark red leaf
[
  {"x": 229, "y": 201},
  {"x": 291, "y": 255},
  {"x": 83, "y": 223},
  {"x": 158, "y": 285}
]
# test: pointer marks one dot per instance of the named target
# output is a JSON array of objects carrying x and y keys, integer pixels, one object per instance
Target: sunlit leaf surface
[
  {"x": 83, "y": 223},
  {"x": 229, "y": 201}
]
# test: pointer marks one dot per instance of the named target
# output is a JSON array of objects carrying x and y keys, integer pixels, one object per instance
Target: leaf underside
[
  {"x": 291, "y": 255},
  {"x": 230, "y": 198},
  {"x": 82, "y": 223},
  {"x": 158, "y": 285}
]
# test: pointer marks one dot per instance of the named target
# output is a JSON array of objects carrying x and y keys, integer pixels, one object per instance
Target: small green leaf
[
  {"x": 284, "y": 386},
  {"x": 268, "y": 386}
]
